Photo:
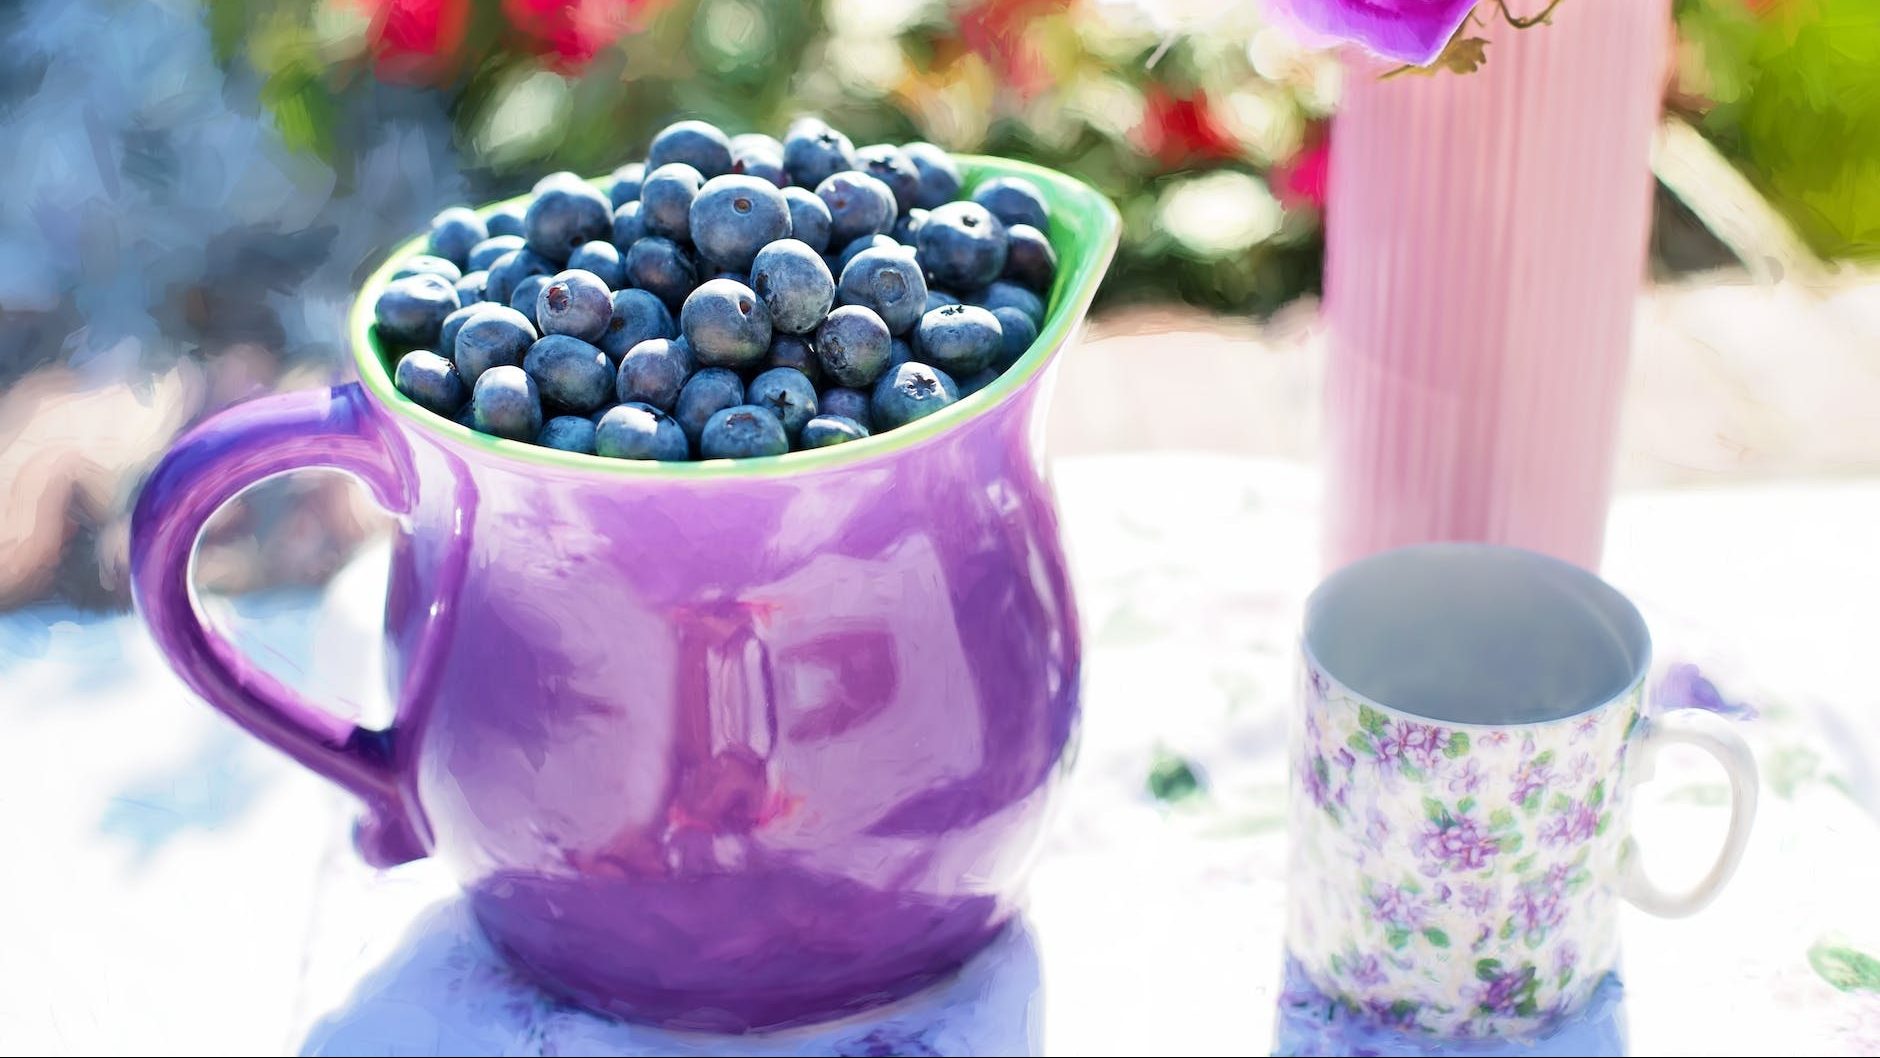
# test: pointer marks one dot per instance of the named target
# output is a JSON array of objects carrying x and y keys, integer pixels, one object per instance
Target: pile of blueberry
[{"x": 730, "y": 297}]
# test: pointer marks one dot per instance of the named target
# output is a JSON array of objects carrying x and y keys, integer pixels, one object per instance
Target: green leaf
[
  {"x": 1466, "y": 805},
  {"x": 1434, "y": 811},
  {"x": 1458, "y": 745},
  {"x": 1531, "y": 802},
  {"x": 1361, "y": 744},
  {"x": 1398, "y": 937},
  {"x": 1604, "y": 822},
  {"x": 1598, "y": 796},
  {"x": 1371, "y": 720},
  {"x": 1488, "y": 969},
  {"x": 1507, "y": 929},
  {"x": 1512, "y": 843},
  {"x": 1500, "y": 819},
  {"x": 1544, "y": 759},
  {"x": 1565, "y": 976},
  {"x": 1526, "y": 863},
  {"x": 1173, "y": 779},
  {"x": 1631, "y": 725},
  {"x": 1411, "y": 771},
  {"x": 1437, "y": 937},
  {"x": 1560, "y": 803},
  {"x": 1845, "y": 968}
]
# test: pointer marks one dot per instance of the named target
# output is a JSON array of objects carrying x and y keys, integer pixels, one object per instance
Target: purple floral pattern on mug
[{"x": 1482, "y": 902}]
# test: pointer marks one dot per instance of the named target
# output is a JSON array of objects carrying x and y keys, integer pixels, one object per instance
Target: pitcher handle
[{"x": 209, "y": 466}]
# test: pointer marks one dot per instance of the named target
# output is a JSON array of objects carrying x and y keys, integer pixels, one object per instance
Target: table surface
[{"x": 174, "y": 888}]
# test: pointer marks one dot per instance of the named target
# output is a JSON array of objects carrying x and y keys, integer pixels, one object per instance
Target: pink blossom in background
[{"x": 1412, "y": 31}]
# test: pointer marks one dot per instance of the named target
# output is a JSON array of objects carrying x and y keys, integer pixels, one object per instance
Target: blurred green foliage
[
  {"x": 1204, "y": 124},
  {"x": 1790, "y": 89}
]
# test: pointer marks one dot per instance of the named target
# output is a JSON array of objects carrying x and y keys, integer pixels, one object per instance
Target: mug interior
[{"x": 1476, "y": 634}]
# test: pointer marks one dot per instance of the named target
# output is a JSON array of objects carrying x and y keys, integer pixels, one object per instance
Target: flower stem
[{"x": 1525, "y": 23}]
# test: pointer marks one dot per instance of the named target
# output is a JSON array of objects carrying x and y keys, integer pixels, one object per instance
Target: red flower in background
[
  {"x": 995, "y": 31},
  {"x": 570, "y": 33},
  {"x": 1178, "y": 129},
  {"x": 1299, "y": 181},
  {"x": 415, "y": 40}
]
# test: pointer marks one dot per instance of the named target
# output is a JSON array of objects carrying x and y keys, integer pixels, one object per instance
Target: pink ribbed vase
[{"x": 1485, "y": 246}]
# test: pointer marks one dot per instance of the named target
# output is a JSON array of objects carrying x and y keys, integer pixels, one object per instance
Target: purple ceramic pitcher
[{"x": 720, "y": 745}]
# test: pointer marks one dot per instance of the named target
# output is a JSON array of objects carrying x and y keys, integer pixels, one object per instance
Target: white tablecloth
[{"x": 171, "y": 888}]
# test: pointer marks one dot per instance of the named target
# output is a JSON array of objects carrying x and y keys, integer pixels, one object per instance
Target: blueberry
[
  {"x": 496, "y": 336},
  {"x": 486, "y": 253},
  {"x": 826, "y": 430},
  {"x": 852, "y": 344},
  {"x": 639, "y": 431},
  {"x": 851, "y": 404},
  {"x": 454, "y": 232},
  {"x": 749, "y": 142},
  {"x": 470, "y": 288},
  {"x": 795, "y": 285},
  {"x": 858, "y": 204},
  {"x": 431, "y": 381},
  {"x": 509, "y": 270},
  {"x": 504, "y": 220},
  {"x": 886, "y": 163},
  {"x": 937, "y": 298},
  {"x": 447, "y": 333},
  {"x": 763, "y": 160},
  {"x": 666, "y": 201},
  {"x": 888, "y": 281},
  {"x": 629, "y": 226},
  {"x": 961, "y": 245},
  {"x": 794, "y": 350},
  {"x": 908, "y": 392},
  {"x": 603, "y": 260},
  {"x": 727, "y": 324},
  {"x": 570, "y": 433},
  {"x": 698, "y": 144},
  {"x": 866, "y": 242},
  {"x": 939, "y": 177},
  {"x": 1016, "y": 333},
  {"x": 573, "y": 376},
  {"x": 733, "y": 217},
  {"x": 424, "y": 264},
  {"x": 1002, "y": 294},
  {"x": 900, "y": 351},
  {"x": 662, "y": 267},
  {"x": 524, "y": 298},
  {"x": 812, "y": 152},
  {"x": 705, "y": 394},
  {"x": 809, "y": 218},
  {"x": 576, "y": 303},
  {"x": 788, "y": 393},
  {"x": 1029, "y": 259},
  {"x": 625, "y": 185},
  {"x": 959, "y": 339},
  {"x": 637, "y": 316},
  {"x": 907, "y": 228},
  {"x": 654, "y": 371},
  {"x": 412, "y": 309},
  {"x": 744, "y": 432},
  {"x": 742, "y": 279},
  {"x": 505, "y": 402},
  {"x": 565, "y": 215},
  {"x": 1014, "y": 200},
  {"x": 977, "y": 381},
  {"x": 562, "y": 178}
]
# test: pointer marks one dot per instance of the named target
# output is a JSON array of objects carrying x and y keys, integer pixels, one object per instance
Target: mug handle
[
  {"x": 209, "y": 466},
  {"x": 1714, "y": 736}
]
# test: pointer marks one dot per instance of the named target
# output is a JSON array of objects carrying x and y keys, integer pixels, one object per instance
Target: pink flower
[
  {"x": 1575, "y": 825},
  {"x": 1412, "y": 31}
]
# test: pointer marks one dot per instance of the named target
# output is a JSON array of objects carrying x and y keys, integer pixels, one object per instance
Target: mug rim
[
  {"x": 1641, "y": 668},
  {"x": 1084, "y": 256}
]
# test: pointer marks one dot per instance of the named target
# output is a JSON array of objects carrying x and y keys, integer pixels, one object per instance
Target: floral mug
[{"x": 1471, "y": 726}]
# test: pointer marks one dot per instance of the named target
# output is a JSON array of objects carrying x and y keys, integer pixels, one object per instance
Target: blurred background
[{"x": 192, "y": 189}]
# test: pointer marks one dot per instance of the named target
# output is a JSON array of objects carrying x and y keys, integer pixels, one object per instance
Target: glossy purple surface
[{"x": 717, "y": 752}]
